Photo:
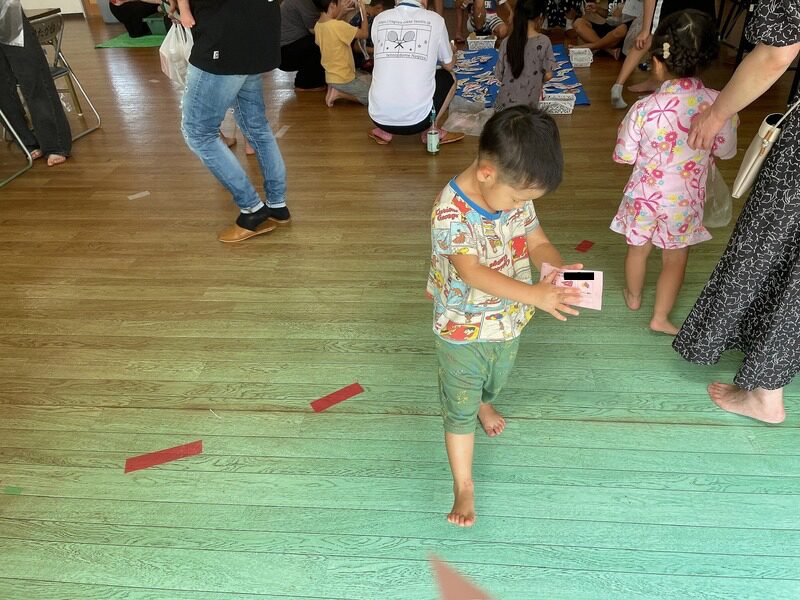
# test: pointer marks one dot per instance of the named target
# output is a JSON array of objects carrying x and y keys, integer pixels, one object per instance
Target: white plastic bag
[
  {"x": 11, "y": 33},
  {"x": 175, "y": 51},
  {"x": 718, "y": 209}
]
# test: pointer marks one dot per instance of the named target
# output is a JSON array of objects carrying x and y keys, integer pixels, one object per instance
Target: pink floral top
[{"x": 664, "y": 197}]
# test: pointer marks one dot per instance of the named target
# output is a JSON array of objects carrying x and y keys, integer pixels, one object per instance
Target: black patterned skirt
[{"x": 752, "y": 300}]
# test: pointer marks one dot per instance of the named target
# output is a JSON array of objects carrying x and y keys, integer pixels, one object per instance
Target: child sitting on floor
[
  {"x": 334, "y": 38},
  {"x": 484, "y": 235},
  {"x": 663, "y": 200},
  {"x": 526, "y": 57},
  {"x": 484, "y": 18}
]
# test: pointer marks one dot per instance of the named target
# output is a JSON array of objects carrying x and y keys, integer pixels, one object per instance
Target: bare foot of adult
[
  {"x": 56, "y": 159},
  {"x": 36, "y": 154},
  {"x": 760, "y": 404},
  {"x": 631, "y": 301},
  {"x": 463, "y": 512},
  {"x": 663, "y": 326},
  {"x": 492, "y": 421},
  {"x": 651, "y": 85}
]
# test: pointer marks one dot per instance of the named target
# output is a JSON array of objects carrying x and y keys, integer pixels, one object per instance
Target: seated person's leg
[
  {"x": 585, "y": 30},
  {"x": 355, "y": 91},
  {"x": 304, "y": 57},
  {"x": 132, "y": 14}
]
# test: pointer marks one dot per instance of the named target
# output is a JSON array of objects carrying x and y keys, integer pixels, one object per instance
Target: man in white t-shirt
[{"x": 410, "y": 42}]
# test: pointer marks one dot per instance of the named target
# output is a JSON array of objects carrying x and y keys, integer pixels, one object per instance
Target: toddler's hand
[{"x": 555, "y": 300}]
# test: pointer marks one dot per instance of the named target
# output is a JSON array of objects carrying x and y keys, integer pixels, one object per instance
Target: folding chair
[
  {"x": 9, "y": 131},
  {"x": 50, "y": 30}
]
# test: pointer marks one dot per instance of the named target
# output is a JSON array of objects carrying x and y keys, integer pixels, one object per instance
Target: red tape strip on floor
[
  {"x": 584, "y": 246},
  {"x": 343, "y": 394},
  {"x": 152, "y": 459}
]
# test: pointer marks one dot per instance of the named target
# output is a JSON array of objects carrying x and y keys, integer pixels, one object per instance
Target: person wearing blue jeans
[{"x": 234, "y": 44}]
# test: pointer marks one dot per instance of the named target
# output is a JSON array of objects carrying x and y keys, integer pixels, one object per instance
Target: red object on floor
[
  {"x": 453, "y": 585},
  {"x": 152, "y": 459},
  {"x": 584, "y": 246},
  {"x": 343, "y": 394}
]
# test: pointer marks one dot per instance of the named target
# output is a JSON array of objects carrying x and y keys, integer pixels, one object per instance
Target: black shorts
[
  {"x": 603, "y": 29},
  {"x": 444, "y": 83}
]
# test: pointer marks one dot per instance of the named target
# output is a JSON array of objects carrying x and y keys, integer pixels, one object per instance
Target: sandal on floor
[
  {"x": 448, "y": 137},
  {"x": 379, "y": 135}
]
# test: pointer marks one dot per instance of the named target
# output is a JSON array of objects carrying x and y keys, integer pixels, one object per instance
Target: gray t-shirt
[
  {"x": 298, "y": 18},
  {"x": 526, "y": 88}
]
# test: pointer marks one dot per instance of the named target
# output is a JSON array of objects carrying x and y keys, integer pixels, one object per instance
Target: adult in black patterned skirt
[{"x": 752, "y": 300}]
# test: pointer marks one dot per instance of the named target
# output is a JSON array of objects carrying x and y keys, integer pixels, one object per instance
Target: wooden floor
[{"x": 122, "y": 322}]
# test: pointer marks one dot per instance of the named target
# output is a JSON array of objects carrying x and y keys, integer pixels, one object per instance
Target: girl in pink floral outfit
[{"x": 664, "y": 198}]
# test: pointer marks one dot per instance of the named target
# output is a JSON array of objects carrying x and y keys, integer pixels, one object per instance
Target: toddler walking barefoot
[
  {"x": 484, "y": 236},
  {"x": 663, "y": 200}
]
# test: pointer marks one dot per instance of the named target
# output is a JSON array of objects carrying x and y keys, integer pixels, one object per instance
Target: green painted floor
[{"x": 122, "y": 326}]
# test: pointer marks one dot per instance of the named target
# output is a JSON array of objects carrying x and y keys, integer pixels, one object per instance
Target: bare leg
[
  {"x": 628, "y": 67},
  {"x": 461, "y": 30},
  {"x": 673, "y": 268},
  {"x": 459, "y": 453},
  {"x": 441, "y": 116},
  {"x": 760, "y": 404},
  {"x": 492, "y": 421},
  {"x": 635, "y": 271},
  {"x": 438, "y": 6},
  {"x": 649, "y": 85},
  {"x": 586, "y": 33}
]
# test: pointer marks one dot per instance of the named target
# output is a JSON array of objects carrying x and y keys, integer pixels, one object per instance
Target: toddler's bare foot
[
  {"x": 56, "y": 159},
  {"x": 331, "y": 96},
  {"x": 632, "y": 301},
  {"x": 663, "y": 326},
  {"x": 463, "y": 512},
  {"x": 492, "y": 421},
  {"x": 760, "y": 404}
]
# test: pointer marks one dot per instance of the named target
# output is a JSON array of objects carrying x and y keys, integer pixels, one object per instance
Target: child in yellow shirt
[{"x": 334, "y": 38}]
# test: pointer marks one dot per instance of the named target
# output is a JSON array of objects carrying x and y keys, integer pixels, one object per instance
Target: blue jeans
[{"x": 205, "y": 101}]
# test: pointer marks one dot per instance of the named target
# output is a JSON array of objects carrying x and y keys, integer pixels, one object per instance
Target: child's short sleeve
[
  {"x": 345, "y": 32},
  {"x": 451, "y": 232},
  {"x": 630, "y": 134},
  {"x": 531, "y": 219}
]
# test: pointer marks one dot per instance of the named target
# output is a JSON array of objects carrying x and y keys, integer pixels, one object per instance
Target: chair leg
[
  {"x": 75, "y": 99},
  {"x": 28, "y": 158},
  {"x": 88, "y": 101}
]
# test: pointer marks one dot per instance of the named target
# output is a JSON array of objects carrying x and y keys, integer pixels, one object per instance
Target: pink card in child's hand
[{"x": 590, "y": 284}]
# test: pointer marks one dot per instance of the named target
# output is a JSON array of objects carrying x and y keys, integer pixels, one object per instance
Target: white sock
[{"x": 616, "y": 96}]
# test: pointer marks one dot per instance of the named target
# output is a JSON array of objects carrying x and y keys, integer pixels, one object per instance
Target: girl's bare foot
[
  {"x": 56, "y": 159},
  {"x": 632, "y": 301},
  {"x": 36, "y": 154},
  {"x": 463, "y": 512},
  {"x": 760, "y": 404},
  {"x": 663, "y": 326},
  {"x": 651, "y": 85},
  {"x": 492, "y": 421}
]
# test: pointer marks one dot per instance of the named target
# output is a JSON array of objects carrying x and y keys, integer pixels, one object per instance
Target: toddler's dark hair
[
  {"x": 526, "y": 10},
  {"x": 525, "y": 145},
  {"x": 322, "y": 5},
  {"x": 384, "y": 4},
  {"x": 693, "y": 44}
]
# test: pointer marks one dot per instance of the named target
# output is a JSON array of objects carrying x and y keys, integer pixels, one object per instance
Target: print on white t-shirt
[{"x": 409, "y": 39}]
